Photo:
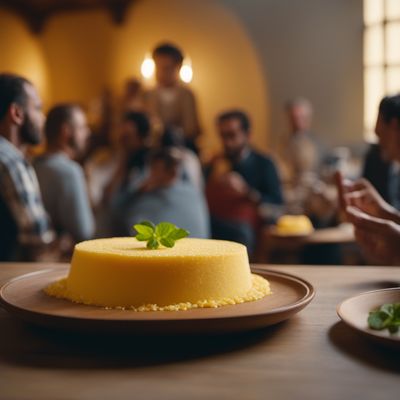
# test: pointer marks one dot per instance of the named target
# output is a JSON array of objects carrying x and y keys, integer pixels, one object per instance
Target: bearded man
[{"x": 24, "y": 225}]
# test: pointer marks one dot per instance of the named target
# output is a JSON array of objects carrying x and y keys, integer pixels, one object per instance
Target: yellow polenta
[{"x": 123, "y": 273}]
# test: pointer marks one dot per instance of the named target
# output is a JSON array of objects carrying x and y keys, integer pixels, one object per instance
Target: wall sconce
[
  {"x": 147, "y": 69},
  {"x": 186, "y": 72}
]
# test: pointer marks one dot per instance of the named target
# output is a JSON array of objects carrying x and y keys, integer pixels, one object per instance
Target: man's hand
[
  {"x": 236, "y": 183},
  {"x": 364, "y": 197},
  {"x": 379, "y": 238}
]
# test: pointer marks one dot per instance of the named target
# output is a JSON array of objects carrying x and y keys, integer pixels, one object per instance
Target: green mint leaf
[
  {"x": 388, "y": 309},
  {"x": 142, "y": 238},
  {"x": 153, "y": 244},
  {"x": 144, "y": 230},
  {"x": 163, "y": 229},
  {"x": 377, "y": 320},
  {"x": 396, "y": 311},
  {"x": 386, "y": 317},
  {"x": 167, "y": 242},
  {"x": 164, "y": 233},
  {"x": 178, "y": 233},
  {"x": 148, "y": 223}
]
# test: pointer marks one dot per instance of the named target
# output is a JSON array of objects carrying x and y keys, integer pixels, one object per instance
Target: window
[{"x": 381, "y": 57}]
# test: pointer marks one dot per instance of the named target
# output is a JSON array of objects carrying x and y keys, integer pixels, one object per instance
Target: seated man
[
  {"x": 377, "y": 224},
  {"x": 164, "y": 196},
  {"x": 24, "y": 227},
  {"x": 239, "y": 181},
  {"x": 383, "y": 166},
  {"x": 61, "y": 179}
]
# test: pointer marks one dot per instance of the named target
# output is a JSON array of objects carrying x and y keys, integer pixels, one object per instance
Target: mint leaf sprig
[
  {"x": 386, "y": 317},
  {"x": 164, "y": 233}
]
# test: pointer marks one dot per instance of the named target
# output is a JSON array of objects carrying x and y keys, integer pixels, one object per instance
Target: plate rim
[
  {"x": 370, "y": 332},
  {"x": 295, "y": 307}
]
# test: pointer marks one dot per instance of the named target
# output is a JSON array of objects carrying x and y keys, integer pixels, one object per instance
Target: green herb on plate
[
  {"x": 164, "y": 233},
  {"x": 386, "y": 317}
]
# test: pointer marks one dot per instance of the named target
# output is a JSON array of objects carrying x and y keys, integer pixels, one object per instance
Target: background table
[
  {"x": 271, "y": 242},
  {"x": 311, "y": 356}
]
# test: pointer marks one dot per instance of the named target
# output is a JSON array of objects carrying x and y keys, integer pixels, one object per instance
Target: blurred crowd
[{"x": 143, "y": 162}]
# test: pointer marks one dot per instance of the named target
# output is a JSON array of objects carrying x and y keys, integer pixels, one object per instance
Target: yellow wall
[
  {"x": 226, "y": 69},
  {"x": 85, "y": 51},
  {"x": 21, "y": 53}
]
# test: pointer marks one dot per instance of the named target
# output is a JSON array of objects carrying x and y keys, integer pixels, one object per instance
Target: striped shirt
[{"x": 22, "y": 210}]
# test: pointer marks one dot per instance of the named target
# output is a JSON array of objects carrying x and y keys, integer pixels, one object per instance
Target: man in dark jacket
[{"x": 239, "y": 181}]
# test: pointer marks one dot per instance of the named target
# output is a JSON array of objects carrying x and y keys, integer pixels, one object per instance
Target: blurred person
[
  {"x": 163, "y": 196},
  {"x": 302, "y": 153},
  {"x": 306, "y": 191},
  {"x": 129, "y": 166},
  {"x": 388, "y": 131},
  {"x": 171, "y": 104},
  {"x": 134, "y": 147},
  {"x": 239, "y": 181},
  {"x": 191, "y": 166},
  {"x": 25, "y": 228},
  {"x": 61, "y": 178},
  {"x": 376, "y": 222},
  {"x": 132, "y": 99}
]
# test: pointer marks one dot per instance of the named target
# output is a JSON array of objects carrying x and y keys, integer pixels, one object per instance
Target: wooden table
[
  {"x": 271, "y": 242},
  {"x": 312, "y": 356}
]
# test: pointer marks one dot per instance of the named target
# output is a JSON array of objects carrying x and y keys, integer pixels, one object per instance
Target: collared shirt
[{"x": 21, "y": 202}]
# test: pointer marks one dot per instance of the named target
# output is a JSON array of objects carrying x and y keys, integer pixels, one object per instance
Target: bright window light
[{"x": 381, "y": 57}]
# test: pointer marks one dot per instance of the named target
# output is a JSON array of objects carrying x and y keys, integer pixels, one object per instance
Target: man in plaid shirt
[{"x": 24, "y": 225}]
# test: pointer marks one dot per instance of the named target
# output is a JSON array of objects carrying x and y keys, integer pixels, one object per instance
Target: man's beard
[{"x": 30, "y": 134}]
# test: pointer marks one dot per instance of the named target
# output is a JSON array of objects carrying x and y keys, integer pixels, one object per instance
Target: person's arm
[
  {"x": 20, "y": 191},
  {"x": 270, "y": 189},
  {"x": 75, "y": 213}
]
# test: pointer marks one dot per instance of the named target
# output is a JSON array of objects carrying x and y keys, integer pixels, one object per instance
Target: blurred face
[
  {"x": 31, "y": 130},
  {"x": 167, "y": 70},
  {"x": 79, "y": 131},
  {"x": 234, "y": 138},
  {"x": 299, "y": 118},
  {"x": 389, "y": 138},
  {"x": 130, "y": 139}
]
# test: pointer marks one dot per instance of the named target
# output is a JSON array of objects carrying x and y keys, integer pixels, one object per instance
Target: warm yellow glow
[
  {"x": 148, "y": 67},
  {"x": 186, "y": 72}
]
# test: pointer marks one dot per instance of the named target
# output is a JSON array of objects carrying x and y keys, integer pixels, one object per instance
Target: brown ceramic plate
[
  {"x": 354, "y": 312},
  {"x": 24, "y": 297}
]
